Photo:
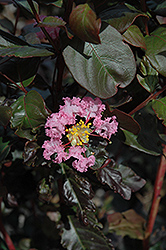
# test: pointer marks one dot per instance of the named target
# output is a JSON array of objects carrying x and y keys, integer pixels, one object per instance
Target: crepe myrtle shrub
[{"x": 82, "y": 124}]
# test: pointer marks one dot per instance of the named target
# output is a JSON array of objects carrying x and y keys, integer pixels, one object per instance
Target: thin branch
[
  {"x": 10, "y": 80},
  {"x": 16, "y": 22},
  {"x": 145, "y": 20},
  {"x": 144, "y": 103},
  {"x": 156, "y": 199},
  {"x": 37, "y": 18}
]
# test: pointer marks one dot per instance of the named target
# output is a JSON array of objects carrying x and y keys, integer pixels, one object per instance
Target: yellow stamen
[{"x": 79, "y": 133}]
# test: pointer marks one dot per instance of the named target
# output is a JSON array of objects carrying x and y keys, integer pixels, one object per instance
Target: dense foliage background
[{"x": 114, "y": 50}]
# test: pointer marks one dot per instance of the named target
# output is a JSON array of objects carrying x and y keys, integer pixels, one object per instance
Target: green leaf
[
  {"x": 84, "y": 23},
  {"x": 110, "y": 64},
  {"x": 134, "y": 36},
  {"x": 78, "y": 192},
  {"x": 5, "y": 115},
  {"x": 4, "y": 149},
  {"x": 26, "y": 82},
  {"x": 150, "y": 76},
  {"x": 58, "y": 3},
  {"x": 123, "y": 22},
  {"x": 159, "y": 106},
  {"x": 80, "y": 237},
  {"x": 52, "y": 22},
  {"x": 156, "y": 49},
  {"x": 10, "y": 49},
  {"x": 131, "y": 140},
  {"x": 127, "y": 223},
  {"x": 25, "y": 8},
  {"x": 28, "y": 112}
]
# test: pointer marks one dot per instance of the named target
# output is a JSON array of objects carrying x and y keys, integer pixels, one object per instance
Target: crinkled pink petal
[
  {"x": 105, "y": 128},
  {"x": 93, "y": 107},
  {"x": 54, "y": 146},
  {"x": 86, "y": 108},
  {"x": 82, "y": 164}
]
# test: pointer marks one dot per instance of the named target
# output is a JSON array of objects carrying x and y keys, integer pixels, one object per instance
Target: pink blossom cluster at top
[{"x": 56, "y": 125}]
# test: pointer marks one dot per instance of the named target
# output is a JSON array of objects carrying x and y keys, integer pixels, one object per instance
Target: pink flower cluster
[{"x": 65, "y": 124}]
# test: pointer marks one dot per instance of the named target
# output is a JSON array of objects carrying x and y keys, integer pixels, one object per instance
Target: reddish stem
[
  {"x": 42, "y": 28},
  {"x": 17, "y": 17},
  {"x": 5, "y": 234},
  {"x": 145, "y": 19},
  {"x": 156, "y": 198},
  {"x": 144, "y": 103},
  {"x": 10, "y": 80}
]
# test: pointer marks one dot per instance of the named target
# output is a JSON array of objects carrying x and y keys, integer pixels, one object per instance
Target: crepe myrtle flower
[{"x": 70, "y": 128}]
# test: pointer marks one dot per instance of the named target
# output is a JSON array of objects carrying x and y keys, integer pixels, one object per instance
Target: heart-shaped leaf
[
  {"x": 134, "y": 36},
  {"x": 28, "y": 112},
  {"x": 79, "y": 237},
  {"x": 110, "y": 64},
  {"x": 159, "y": 106},
  {"x": 84, "y": 23},
  {"x": 156, "y": 49}
]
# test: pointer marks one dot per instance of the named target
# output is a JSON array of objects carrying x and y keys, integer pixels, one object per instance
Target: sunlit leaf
[
  {"x": 26, "y": 82},
  {"x": 149, "y": 78},
  {"x": 84, "y": 23},
  {"x": 127, "y": 223},
  {"x": 131, "y": 140},
  {"x": 28, "y": 112},
  {"x": 156, "y": 49},
  {"x": 52, "y": 22},
  {"x": 79, "y": 237},
  {"x": 110, "y": 64},
  {"x": 5, "y": 115},
  {"x": 159, "y": 106},
  {"x": 134, "y": 36}
]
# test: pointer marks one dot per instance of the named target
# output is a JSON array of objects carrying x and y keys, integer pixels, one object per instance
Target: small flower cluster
[{"x": 70, "y": 128}]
